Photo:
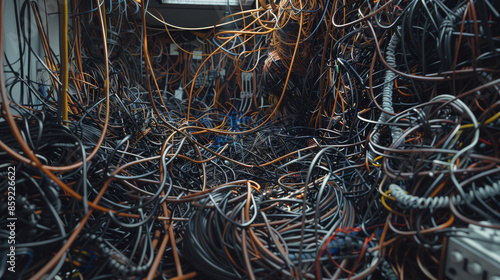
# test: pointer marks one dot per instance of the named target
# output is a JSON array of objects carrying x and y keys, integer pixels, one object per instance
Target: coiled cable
[
  {"x": 413, "y": 201},
  {"x": 387, "y": 96}
]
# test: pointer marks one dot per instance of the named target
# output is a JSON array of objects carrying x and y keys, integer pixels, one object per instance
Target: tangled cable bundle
[{"x": 291, "y": 140}]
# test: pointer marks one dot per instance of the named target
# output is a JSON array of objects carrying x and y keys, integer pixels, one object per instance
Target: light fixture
[{"x": 208, "y": 2}]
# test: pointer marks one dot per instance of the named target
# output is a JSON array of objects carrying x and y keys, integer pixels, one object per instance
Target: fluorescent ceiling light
[{"x": 208, "y": 2}]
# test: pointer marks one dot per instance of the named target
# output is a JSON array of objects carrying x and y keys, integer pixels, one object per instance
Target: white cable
[{"x": 196, "y": 28}]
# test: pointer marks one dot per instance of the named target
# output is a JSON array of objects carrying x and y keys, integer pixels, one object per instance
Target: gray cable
[
  {"x": 396, "y": 132},
  {"x": 442, "y": 201}
]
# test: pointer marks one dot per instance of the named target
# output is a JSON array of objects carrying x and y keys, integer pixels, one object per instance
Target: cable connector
[
  {"x": 179, "y": 93},
  {"x": 246, "y": 85}
]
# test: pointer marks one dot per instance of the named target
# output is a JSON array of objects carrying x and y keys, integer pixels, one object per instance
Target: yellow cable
[
  {"x": 384, "y": 194},
  {"x": 375, "y": 163},
  {"x": 387, "y": 206},
  {"x": 488, "y": 121}
]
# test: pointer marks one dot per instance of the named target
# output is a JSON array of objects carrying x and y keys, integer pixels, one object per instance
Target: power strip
[{"x": 474, "y": 255}]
